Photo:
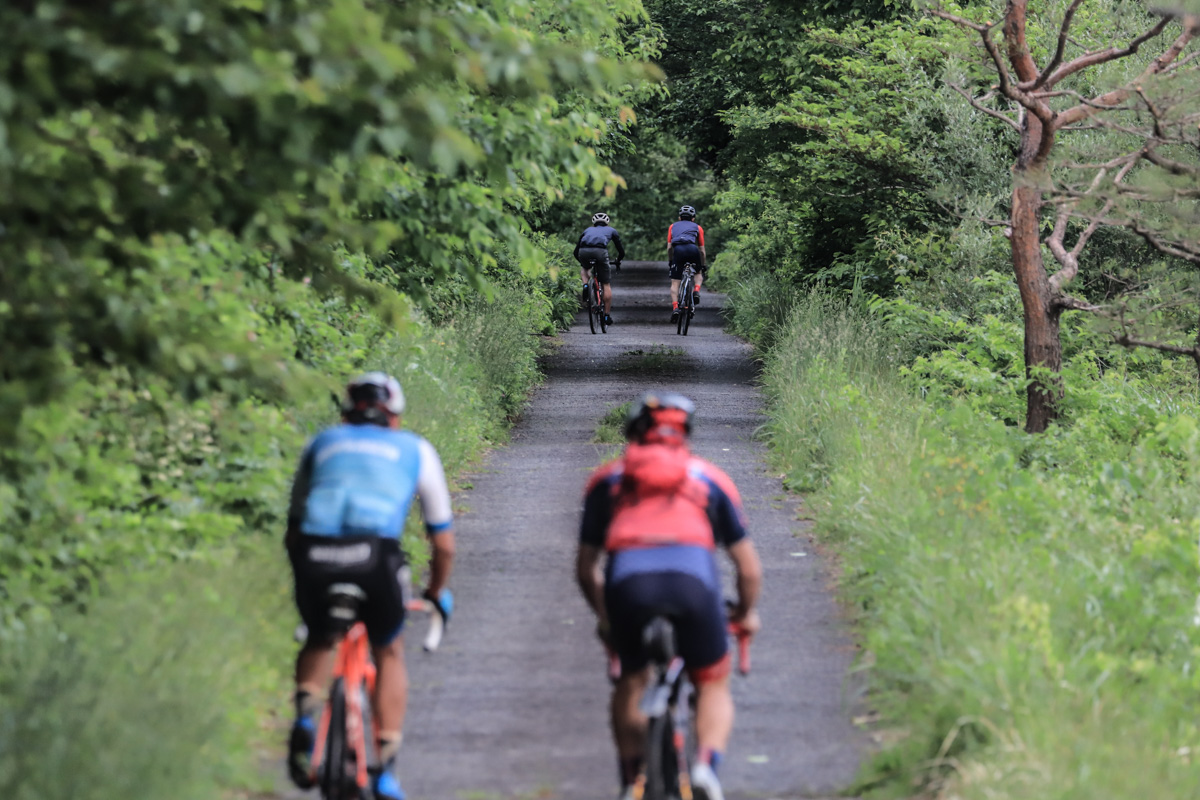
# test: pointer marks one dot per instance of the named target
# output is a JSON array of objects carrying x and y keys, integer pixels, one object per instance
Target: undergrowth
[{"x": 1026, "y": 603}]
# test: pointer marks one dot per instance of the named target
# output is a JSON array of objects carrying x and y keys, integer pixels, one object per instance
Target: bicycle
[
  {"x": 687, "y": 308},
  {"x": 595, "y": 300},
  {"x": 666, "y": 773},
  {"x": 344, "y": 751}
]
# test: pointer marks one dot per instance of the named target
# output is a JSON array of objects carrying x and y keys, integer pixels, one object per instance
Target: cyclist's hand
[
  {"x": 747, "y": 624},
  {"x": 617, "y": 266},
  {"x": 443, "y": 601}
]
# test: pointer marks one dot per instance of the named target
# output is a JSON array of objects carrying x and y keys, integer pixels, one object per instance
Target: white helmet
[
  {"x": 600, "y": 219},
  {"x": 373, "y": 397}
]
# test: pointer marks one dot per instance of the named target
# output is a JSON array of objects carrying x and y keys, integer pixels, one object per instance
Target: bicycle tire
[
  {"x": 600, "y": 307},
  {"x": 662, "y": 762},
  {"x": 685, "y": 306},
  {"x": 333, "y": 777},
  {"x": 591, "y": 309}
]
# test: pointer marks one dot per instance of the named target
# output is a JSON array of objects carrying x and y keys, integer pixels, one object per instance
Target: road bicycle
[
  {"x": 687, "y": 306},
  {"x": 344, "y": 753},
  {"x": 667, "y": 704},
  {"x": 595, "y": 300}
]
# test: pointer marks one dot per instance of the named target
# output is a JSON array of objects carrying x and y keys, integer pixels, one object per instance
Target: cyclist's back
[{"x": 658, "y": 514}]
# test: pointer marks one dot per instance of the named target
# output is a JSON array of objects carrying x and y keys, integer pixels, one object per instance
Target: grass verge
[{"x": 1026, "y": 603}]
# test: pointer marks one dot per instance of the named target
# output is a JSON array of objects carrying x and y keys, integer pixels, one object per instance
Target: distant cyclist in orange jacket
[
  {"x": 685, "y": 244},
  {"x": 658, "y": 514}
]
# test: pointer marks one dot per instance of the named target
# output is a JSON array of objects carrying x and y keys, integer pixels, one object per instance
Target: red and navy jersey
[
  {"x": 660, "y": 495},
  {"x": 685, "y": 232}
]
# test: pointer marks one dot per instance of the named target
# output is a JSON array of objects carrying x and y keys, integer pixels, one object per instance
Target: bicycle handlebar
[{"x": 437, "y": 622}]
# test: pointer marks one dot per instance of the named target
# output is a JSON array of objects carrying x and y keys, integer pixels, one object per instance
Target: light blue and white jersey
[{"x": 360, "y": 480}]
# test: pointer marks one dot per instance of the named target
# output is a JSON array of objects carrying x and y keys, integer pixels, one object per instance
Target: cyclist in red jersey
[
  {"x": 685, "y": 244},
  {"x": 654, "y": 518}
]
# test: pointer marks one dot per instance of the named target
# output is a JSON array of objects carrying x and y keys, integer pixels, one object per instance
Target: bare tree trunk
[{"x": 1043, "y": 348}]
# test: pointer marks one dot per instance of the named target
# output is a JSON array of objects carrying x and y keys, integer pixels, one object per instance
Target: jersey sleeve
[
  {"x": 301, "y": 483},
  {"x": 597, "y": 510},
  {"x": 701, "y": 234},
  {"x": 725, "y": 510},
  {"x": 670, "y": 228},
  {"x": 433, "y": 491}
]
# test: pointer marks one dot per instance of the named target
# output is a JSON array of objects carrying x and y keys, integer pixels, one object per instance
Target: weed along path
[{"x": 514, "y": 705}]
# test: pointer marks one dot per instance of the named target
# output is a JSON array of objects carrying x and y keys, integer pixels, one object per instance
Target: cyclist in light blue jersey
[{"x": 350, "y": 497}]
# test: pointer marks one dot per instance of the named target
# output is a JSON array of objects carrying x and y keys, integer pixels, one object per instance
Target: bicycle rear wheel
[
  {"x": 591, "y": 307},
  {"x": 662, "y": 762},
  {"x": 334, "y": 777}
]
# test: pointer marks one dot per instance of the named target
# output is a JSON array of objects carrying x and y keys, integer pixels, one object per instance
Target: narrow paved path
[{"x": 514, "y": 705}]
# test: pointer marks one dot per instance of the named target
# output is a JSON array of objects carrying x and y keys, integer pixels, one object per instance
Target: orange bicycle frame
[{"x": 355, "y": 668}]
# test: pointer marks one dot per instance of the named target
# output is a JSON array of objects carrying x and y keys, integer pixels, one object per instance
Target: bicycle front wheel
[{"x": 662, "y": 762}]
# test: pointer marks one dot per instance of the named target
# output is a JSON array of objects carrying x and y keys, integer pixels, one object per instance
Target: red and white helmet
[{"x": 372, "y": 396}]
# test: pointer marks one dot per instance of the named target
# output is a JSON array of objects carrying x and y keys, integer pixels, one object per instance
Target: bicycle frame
[
  {"x": 355, "y": 668},
  {"x": 669, "y": 698}
]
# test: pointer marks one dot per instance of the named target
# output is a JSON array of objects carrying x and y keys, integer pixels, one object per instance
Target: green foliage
[
  {"x": 611, "y": 429},
  {"x": 307, "y": 132},
  {"x": 155, "y": 691},
  {"x": 1027, "y": 602}
]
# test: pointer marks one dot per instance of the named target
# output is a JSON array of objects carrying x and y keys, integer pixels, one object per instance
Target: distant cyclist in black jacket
[{"x": 593, "y": 246}]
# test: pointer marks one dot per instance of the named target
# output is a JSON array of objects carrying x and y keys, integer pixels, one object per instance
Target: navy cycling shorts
[
  {"x": 695, "y": 609},
  {"x": 684, "y": 254},
  {"x": 376, "y": 565}
]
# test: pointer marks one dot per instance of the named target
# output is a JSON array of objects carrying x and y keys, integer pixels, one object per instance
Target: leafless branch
[
  {"x": 1124, "y": 339},
  {"x": 1191, "y": 27},
  {"x": 1062, "y": 45},
  {"x": 1075, "y": 304},
  {"x": 991, "y": 112},
  {"x": 1099, "y": 56},
  {"x": 1178, "y": 250}
]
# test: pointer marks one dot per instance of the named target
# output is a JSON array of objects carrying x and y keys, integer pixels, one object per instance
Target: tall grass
[
  {"x": 155, "y": 692},
  {"x": 1026, "y": 604}
]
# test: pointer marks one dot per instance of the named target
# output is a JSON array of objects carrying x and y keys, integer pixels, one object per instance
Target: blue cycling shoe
[
  {"x": 300, "y": 752},
  {"x": 386, "y": 786}
]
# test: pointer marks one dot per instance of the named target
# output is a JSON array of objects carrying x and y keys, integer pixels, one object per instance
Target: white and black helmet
[
  {"x": 600, "y": 218},
  {"x": 687, "y": 212},
  {"x": 373, "y": 397}
]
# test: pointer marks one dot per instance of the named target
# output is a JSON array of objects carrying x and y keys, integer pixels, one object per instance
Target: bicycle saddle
[
  {"x": 344, "y": 600},
  {"x": 659, "y": 639}
]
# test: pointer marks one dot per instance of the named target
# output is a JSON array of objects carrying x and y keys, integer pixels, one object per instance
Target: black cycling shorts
[
  {"x": 694, "y": 608},
  {"x": 684, "y": 254},
  {"x": 600, "y": 256},
  {"x": 377, "y": 566}
]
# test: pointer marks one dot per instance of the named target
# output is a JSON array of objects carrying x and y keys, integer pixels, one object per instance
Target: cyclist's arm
[
  {"x": 301, "y": 483},
  {"x": 439, "y": 516},
  {"x": 703, "y": 252},
  {"x": 620, "y": 247},
  {"x": 591, "y": 579},
  {"x": 577, "y": 246},
  {"x": 749, "y": 584},
  {"x": 593, "y": 530}
]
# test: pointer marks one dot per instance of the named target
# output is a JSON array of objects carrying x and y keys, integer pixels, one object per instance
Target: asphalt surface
[{"x": 514, "y": 705}]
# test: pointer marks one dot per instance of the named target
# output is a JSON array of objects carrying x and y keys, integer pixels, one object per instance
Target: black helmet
[
  {"x": 600, "y": 219},
  {"x": 374, "y": 397},
  {"x": 659, "y": 409},
  {"x": 687, "y": 212}
]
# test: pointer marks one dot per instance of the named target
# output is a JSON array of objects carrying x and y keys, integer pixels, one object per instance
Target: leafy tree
[
  {"x": 309, "y": 128},
  {"x": 1039, "y": 102}
]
